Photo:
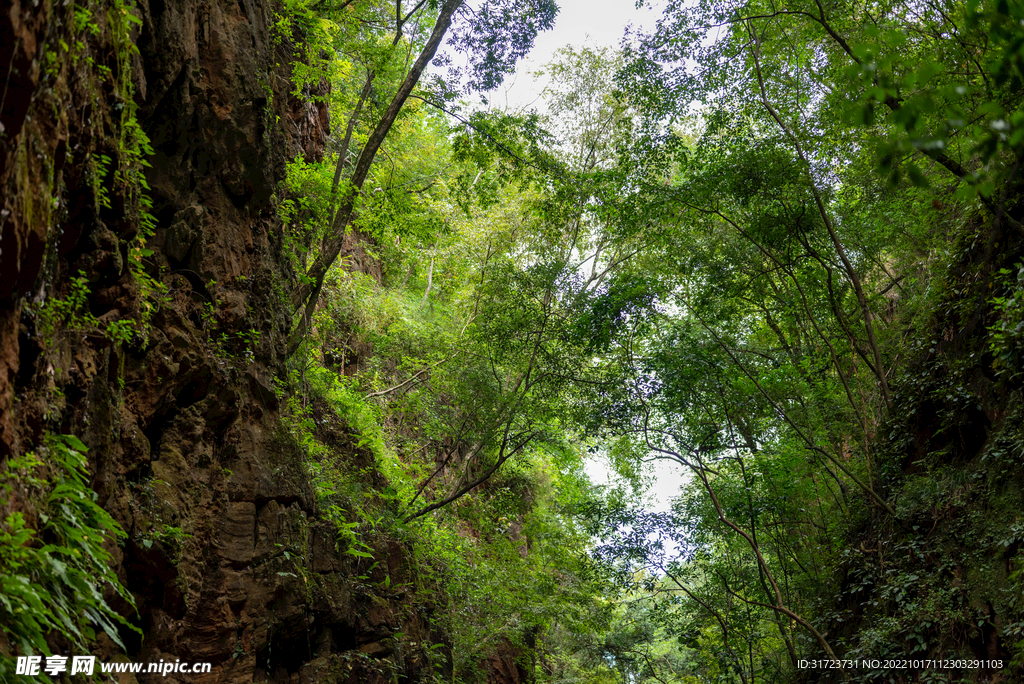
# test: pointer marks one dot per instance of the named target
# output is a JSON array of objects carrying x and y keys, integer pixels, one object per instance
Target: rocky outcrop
[{"x": 227, "y": 557}]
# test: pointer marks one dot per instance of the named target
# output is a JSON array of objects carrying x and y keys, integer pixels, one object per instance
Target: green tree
[{"x": 485, "y": 37}]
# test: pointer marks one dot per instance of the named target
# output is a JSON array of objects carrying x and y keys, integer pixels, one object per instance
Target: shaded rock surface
[{"x": 226, "y": 555}]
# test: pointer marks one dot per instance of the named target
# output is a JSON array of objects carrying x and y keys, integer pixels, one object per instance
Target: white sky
[
  {"x": 597, "y": 23},
  {"x": 666, "y": 479}
]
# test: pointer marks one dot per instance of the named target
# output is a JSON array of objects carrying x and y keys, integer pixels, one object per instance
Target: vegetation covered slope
[{"x": 333, "y": 389}]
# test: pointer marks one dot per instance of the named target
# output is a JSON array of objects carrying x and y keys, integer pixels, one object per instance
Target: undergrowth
[
  {"x": 499, "y": 565},
  {"x": 55, "y": 568}
]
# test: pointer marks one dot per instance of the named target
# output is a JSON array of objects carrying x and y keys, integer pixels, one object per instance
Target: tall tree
[{"x": 486, "y": 39}]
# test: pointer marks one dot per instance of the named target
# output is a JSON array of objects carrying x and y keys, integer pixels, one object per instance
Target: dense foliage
[
  {"x": 777, "y": 246},
  {"x": 55, "y": 569},
  {"x": 731, "y": 258},
  {"x": 735, "y": 256}
]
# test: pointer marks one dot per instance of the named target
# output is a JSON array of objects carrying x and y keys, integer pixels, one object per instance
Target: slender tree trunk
[
  {"x": 430, "y": 282},
  {"x": 343, "y": 155},
  {"x": 840, "y": 250},
  {"x": 335, "y": 239}
]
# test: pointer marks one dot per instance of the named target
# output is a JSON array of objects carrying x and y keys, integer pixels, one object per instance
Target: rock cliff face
[{"x": 225, "y": 556}]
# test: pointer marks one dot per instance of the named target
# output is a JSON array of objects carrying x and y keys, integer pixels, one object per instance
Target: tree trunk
[{"x": 343, "y": 217}]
